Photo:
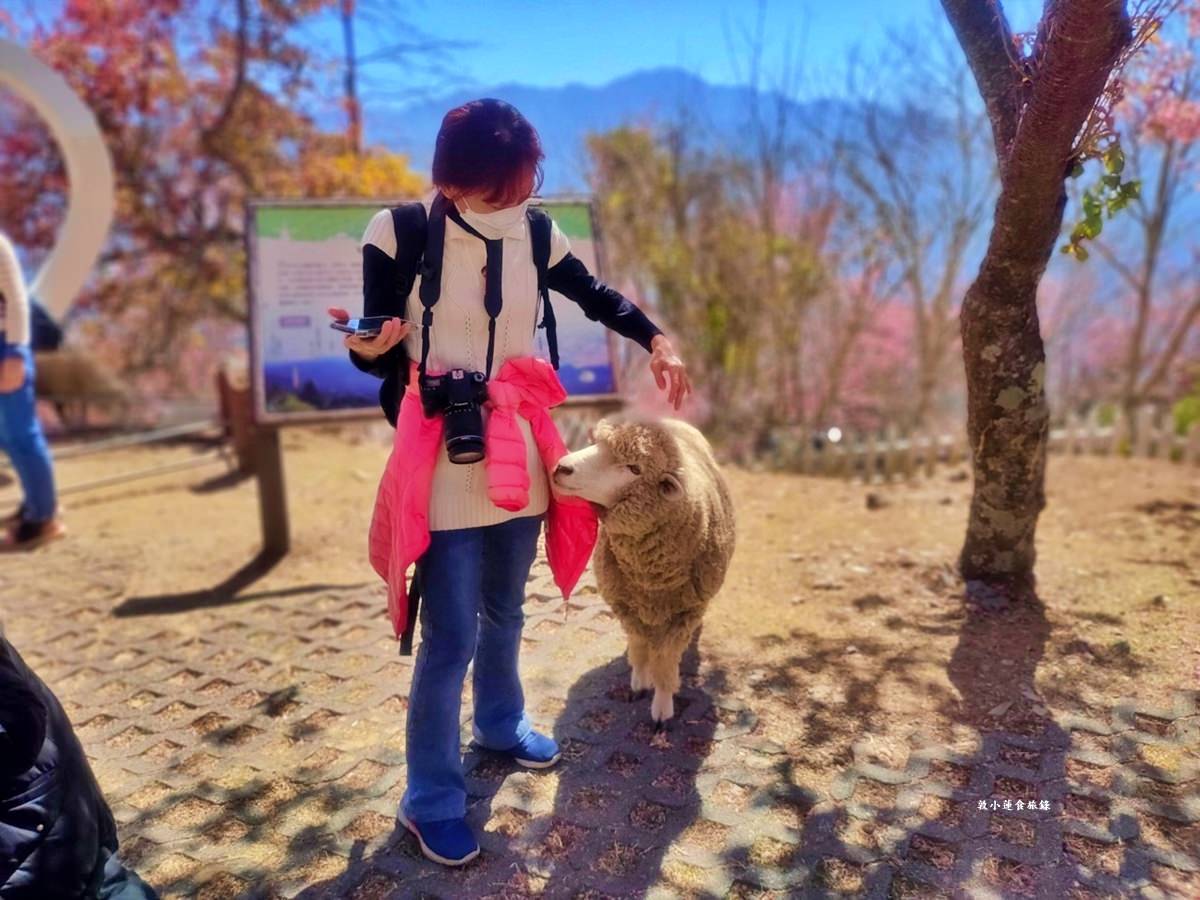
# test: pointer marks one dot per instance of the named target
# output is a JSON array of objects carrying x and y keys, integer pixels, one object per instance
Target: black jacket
[{"x": 57, "y": 835}]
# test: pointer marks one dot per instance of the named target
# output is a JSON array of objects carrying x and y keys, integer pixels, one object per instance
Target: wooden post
[
  {"x": 1089, "y": 432},
  {"x": 799, "y": 460},
  {"x": 907, "y": 454},
  {"x": 828, "y": 457},
  {"x": 1119, "y": 432},
  {"x": 1191, "y": 453},
  {"x": 236, "y": 404},
  {"x": 853, "y": 448},
  {"x": 891, "y": 453},
  {"x": 929, "y": 451},
  {"x": 870, "y": 449},
  {"x": 272, "y": 494},
  {"x": 1145, "y": 422},
  {"x": 839, "y": 458},
  {"x": 1073, "y": 430}
]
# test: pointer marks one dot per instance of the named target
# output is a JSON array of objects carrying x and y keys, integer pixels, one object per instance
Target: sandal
[{"x": 27, "y": 535}]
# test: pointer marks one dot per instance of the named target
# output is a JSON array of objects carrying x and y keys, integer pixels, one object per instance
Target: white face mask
[{"x": 500, "y": 223}]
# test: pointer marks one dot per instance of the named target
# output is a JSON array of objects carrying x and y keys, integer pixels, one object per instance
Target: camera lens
[{"x": 465, "y": 450}]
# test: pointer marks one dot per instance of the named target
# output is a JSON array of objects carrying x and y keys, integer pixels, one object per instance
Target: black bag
[
  {"x": 45, "y": 333},
  {"x": 418, "y": 248}
]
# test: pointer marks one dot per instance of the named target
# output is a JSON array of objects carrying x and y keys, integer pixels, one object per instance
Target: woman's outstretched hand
[
  {"x": 670, "y": 374},
  {"x": 392, "y": 333}
]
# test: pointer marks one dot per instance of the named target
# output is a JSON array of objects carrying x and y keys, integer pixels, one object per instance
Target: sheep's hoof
[
  {"x": 662, "y": 707},
  {"x": 660, "y": 727}
]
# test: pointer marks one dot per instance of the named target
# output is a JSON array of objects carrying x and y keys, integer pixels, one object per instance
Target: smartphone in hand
[{"x": 366, "y": 326}]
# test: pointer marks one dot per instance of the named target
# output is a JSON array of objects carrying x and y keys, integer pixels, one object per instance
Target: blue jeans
[
  {"x": 473, "y": 590},
  {"x": 22, "y": 439}
]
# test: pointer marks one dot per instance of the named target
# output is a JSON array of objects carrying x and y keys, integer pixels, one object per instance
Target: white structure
[{"x": 90, "y": 199}]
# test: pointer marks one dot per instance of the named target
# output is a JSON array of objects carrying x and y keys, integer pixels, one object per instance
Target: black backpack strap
[
  {"x": 408, "y": 222},
  {"x": 431, "y": 270},
  {"x": 540, "y": 226}
]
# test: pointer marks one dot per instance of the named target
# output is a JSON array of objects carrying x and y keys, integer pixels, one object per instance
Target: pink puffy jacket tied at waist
[{"x": 527, "y": 387}]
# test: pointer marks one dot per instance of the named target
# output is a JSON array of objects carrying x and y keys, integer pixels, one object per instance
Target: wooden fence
[{"x": 893, "y": 455}]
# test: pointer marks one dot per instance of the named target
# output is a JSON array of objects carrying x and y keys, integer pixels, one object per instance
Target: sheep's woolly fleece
[{"x": 662, "y": 553}]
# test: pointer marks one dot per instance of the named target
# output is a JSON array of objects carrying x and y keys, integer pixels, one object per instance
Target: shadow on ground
[
  {"x": 597, "y": 825},
  {"x": 601, "y": 821},
  {"x": 1027, "y": 805},
  {"x": 226, "y": 593}
]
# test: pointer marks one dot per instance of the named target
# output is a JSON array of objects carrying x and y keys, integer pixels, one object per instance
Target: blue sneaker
[
  {"x": 535, "y": 752},
  {"x": 447, "y": 841}
]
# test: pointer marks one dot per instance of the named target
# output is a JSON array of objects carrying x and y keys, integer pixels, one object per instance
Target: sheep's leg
[
  {"x": 664, "y": 674},
  {"x": 639, "y": 660}
]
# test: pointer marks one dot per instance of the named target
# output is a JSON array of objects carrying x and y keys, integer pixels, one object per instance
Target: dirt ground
[
  {"x": 840, "y": 617},
  {"x": 856, "y": 608}
]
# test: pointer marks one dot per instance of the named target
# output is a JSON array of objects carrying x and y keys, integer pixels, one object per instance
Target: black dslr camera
[{"x": 457, "y": 395}]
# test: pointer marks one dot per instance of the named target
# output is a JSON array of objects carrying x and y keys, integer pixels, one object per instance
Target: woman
[
  {"x": 473, "y": 570},
  {"x": 36, "y": 522}
]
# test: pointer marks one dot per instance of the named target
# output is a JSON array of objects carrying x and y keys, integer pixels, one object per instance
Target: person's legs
[
  {"x": 451, "y": 572},
  {"x": 22, "y": 439},
  {"x": 508, "y": 552}
]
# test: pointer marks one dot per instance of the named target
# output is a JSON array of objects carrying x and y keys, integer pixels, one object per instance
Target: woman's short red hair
[{"x": 486, "y": 146}]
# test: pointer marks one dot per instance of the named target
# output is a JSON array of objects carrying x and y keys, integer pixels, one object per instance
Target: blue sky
[{"x": 594, "y": 41}]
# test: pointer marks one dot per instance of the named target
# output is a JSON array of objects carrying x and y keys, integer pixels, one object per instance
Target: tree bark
[
  {"x": 353, "y": 108},
  {"x": 1037, "y": 110}
]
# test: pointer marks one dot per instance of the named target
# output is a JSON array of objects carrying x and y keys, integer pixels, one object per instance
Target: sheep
[{"x": 666, "y": 538}]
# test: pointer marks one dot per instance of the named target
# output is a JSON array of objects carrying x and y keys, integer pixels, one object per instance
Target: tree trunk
[
  {"x": 1035, "y": 128},
  {"x": 1007, "y": 419},
  {"x": 353, "y": 108}
]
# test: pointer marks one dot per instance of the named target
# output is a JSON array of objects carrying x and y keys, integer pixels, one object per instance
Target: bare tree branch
[
  {"x": 239, "y": 74},
  {"x": 1175, "y": 342},
  {"x": 983, "y": 31}
]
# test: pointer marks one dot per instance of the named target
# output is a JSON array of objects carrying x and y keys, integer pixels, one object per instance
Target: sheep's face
[{"x": 627, "y": 464}]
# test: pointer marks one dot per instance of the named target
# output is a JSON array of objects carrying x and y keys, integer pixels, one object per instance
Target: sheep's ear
[{"x": 670, "y": 486}]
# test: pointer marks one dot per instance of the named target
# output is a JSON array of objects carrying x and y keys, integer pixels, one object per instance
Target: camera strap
[{"x": 493, "y": 297}]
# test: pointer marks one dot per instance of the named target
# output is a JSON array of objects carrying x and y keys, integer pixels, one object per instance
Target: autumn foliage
[{"x": 202, "y": 105}]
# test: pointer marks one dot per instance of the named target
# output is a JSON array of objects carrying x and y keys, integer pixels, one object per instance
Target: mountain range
[{"x": 565, "y": 115}]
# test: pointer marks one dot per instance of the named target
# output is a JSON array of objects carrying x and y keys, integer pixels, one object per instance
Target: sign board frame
[{"x": 256, "y": 332}]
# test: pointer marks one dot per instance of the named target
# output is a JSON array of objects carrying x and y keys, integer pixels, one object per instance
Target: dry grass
[
  {"x": 929, "y": 850},
  {"x": 619, "y": 859},
  {"x": 769, "y": 852},
  {"x": 560, "y": 841},
  {"x": 1094, "y": 854},
  {"x": 938, "y": 809},
  {"x": 841, "y": 876},
  {"x": 1012, "y": 830},
  {"x": 508, "y": 821},
  {"x": 368, "y": 826},
  {"x": 1088, "y": 809},
  {"x": 1090, "y": 773},
  {"x": 709, "y": 835}
]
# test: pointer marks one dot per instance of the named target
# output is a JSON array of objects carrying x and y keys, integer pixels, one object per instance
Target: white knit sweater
[
  {"x": 458, "y": 339},
  {"x": 14, "y": 304}
]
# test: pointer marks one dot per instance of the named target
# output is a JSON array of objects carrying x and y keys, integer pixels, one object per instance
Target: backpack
[
  {"x": 44, "y": 332},
  {"x": 419, "y": 243}
]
